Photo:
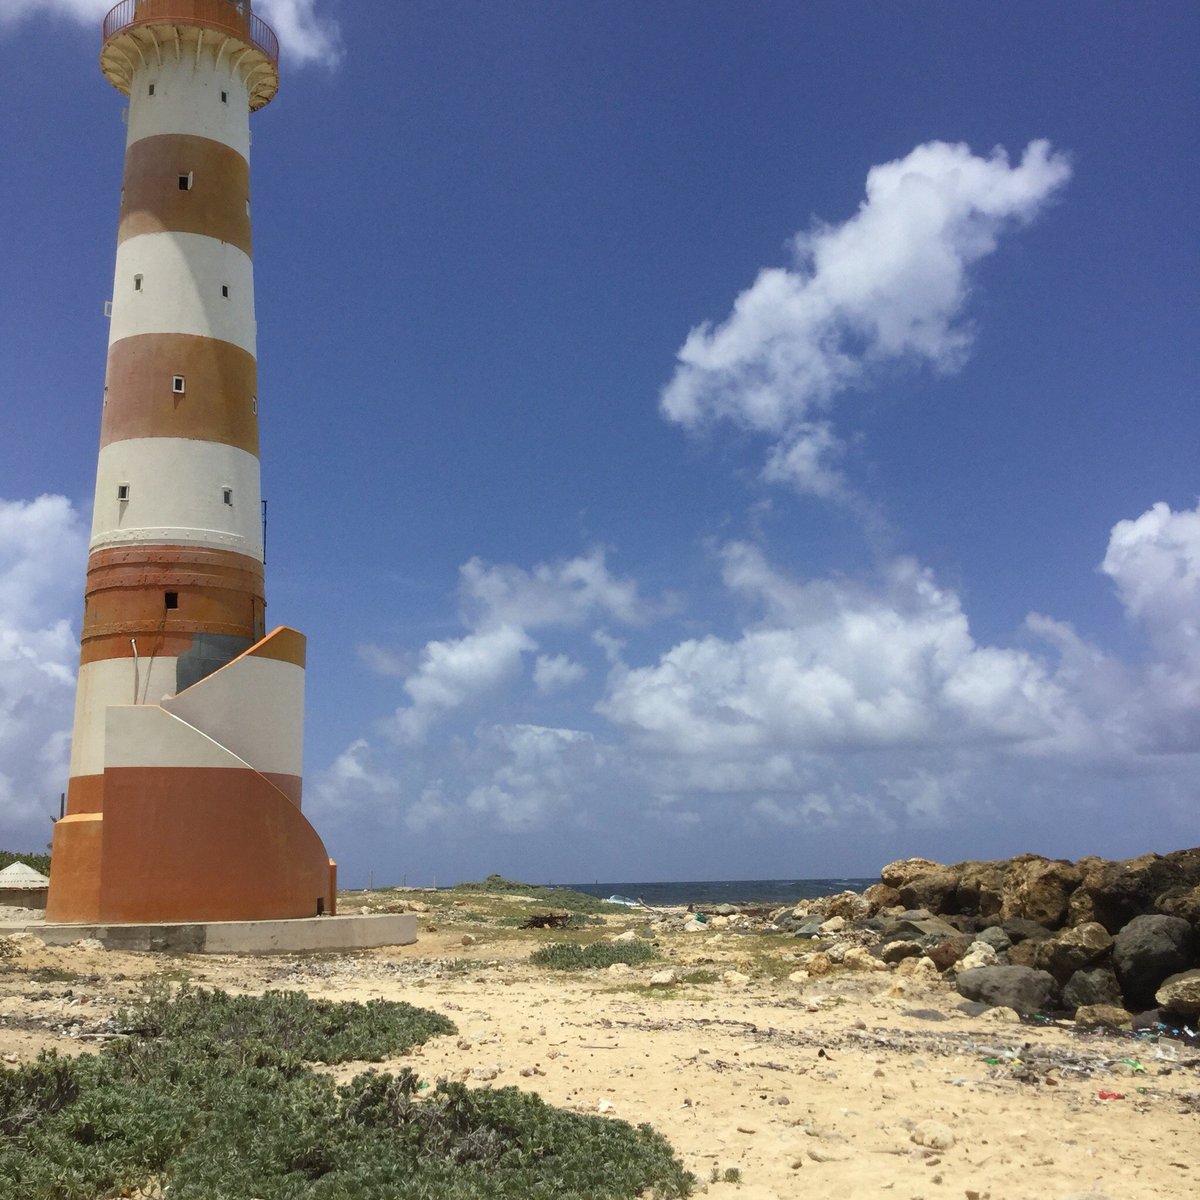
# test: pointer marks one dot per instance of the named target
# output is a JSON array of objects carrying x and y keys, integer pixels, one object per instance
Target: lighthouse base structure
[
  {"x": 196, "y": 816},
  {"x": 367, "y": 931}
]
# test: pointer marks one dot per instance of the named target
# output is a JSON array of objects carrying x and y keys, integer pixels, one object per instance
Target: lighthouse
[{"x": 183, "y": 802}]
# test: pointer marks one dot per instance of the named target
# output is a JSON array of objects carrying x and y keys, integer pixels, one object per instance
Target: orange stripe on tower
[
  {"x": 216, "y": 202},
  {"x": 214, "y": 591},
  {"x": 217, "y": 405}
]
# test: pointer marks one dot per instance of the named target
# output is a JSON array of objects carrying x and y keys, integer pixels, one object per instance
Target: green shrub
[
  {"x": 203, "y": 1102},
  {"x": 564, "y": 899},
  {"x": 564, "y": 956},
  {"x": 290, "y": 1023}
]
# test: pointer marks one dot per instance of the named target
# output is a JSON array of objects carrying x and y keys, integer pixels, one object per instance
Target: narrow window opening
[
  {"x": 227, "y": 495},
  {"x": 137, "y": 283},
  {"x": 106, "y": 395},
  {"x": 225, "y": 290},
  {"x": 150, "y": 90},
  {"x": 108, "y": 308},
  {"x": 254, "y": 405},
  {"x": 122, "y": 491},
  {"x": 170, "y": 599},
  {"x": 178, "y": 385},
  {"x": 224, "y": 97},
  {"x": 185, "y": 182}
]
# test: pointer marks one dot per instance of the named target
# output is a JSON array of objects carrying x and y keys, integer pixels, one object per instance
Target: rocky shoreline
[{"x": 1109, "y": 943}]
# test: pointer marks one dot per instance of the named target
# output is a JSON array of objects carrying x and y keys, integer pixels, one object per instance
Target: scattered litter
[{"x": 1111, "y": 1095}]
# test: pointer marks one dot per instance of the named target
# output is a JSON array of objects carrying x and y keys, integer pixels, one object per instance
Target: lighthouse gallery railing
[{"x": 232, "y": 16}]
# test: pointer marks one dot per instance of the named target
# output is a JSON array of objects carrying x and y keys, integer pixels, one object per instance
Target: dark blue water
[{"x": 725, "y": 891}]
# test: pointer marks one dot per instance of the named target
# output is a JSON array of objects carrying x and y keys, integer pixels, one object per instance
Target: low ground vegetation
[
  {"x": 559, "y": 899},
  {"x": 207, "y": 1096},
  {"x": 568, "y": 956}
]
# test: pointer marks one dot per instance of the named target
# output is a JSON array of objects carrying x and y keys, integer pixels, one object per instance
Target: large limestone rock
[
  {"x": 1046, "y": 892},
  {"x": 1102, "y": 1016},
  {"x": 1181, "y": 902},
  {"x": 934, "y": 889},
  {"x": 1039, "y": 890},
  {"x": 980, "y": 888},
  {"x": 898, "y": 873},
  {"x": 1123, "y": 890},
  {"x": 1180, "y": 994},
  {"x": 879, "y": 896},
  {"x": 1020, "y": 988},
  {"x": 1073, "y": 950},
  {"x": 1148, "y": 950}
]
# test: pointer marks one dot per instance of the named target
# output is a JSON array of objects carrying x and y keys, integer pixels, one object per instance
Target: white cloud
[
  {"x": 502, "y": 604},
  {"x": 1154, "y": 561},
  {"x": 451, "y": 673},
  {"x": 352, "y": 772},
  {"x": 552, "y": 672},
  {"x": 13, "y": 12},
  {"x": 807, "y": 461},
  {"x": 552, "y": 594},
  {"x": 889, "y": 284},
  {"x": 836, "y": 666},
  {"x": 42, "y": 552},
  {"x": 540, "y": 773},
  {"x": 304, "y": 35}
]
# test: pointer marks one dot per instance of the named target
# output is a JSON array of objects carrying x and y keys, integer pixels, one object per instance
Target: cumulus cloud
[
  {"x": 90, "y": 11},
  {"x": 837, "y": 704},
  {"x": 42, "y": 552},
  {"x": 455, "y": 671},
  {"x": 552, "y": 672},
  {"x": 1154, "y": 562},
  {"x": 836, "y": 666},
  {"x": 502, "y": 605},
  {"x": 889, "y": 284},
  {"x": 305, "y": 36},
  {"x": 541, "y": 772}
]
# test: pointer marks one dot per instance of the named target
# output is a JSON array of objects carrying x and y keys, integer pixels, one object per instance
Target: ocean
[{"x": 725, "y": 891}]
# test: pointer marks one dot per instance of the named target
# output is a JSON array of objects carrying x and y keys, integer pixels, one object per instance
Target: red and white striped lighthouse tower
[{"x": 184, "y": 794}]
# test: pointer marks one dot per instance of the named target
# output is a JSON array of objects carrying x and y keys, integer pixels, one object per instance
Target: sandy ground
[{"x": 814, "y": 1089}]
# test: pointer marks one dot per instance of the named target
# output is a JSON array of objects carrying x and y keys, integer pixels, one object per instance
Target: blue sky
[{"x": 702, "y": 440}]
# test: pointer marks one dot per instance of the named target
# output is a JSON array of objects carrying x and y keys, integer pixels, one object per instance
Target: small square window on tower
[
  {"x": 185, "y": 181},
  {"x": 225, "y": 290},
  {"x": 178, "y": 384},
  {"x": 170, "y": 599},
  {"x": 137, "y": 283},
  {"x": 122, "y": 491},
  {"x": 150, "y": 90},
  {"x": 227, "y": 496}
]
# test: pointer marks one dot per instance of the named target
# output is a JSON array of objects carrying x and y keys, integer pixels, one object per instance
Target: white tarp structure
[{"x": 17, "y": 876}]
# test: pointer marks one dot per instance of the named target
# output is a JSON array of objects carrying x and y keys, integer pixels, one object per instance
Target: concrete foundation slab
[{"x": 244, "y": 937}]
